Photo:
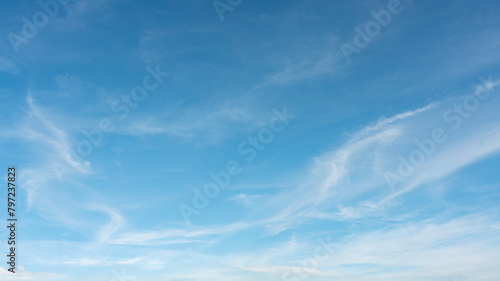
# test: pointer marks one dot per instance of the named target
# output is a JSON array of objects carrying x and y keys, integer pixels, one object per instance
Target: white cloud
[
  {"x": 245, "y": 199},
  {"x": 176, "y": 235},
  {"x": 209, "y": 124},
  {"x": 22, "y": 274},
  {"x": 349, "y": 183},
  {"x": 116, "y": 222},
  {"x": 7, "y": 65}
]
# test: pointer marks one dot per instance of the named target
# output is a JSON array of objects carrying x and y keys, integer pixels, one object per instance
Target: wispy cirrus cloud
[
  {"x": 363, "y": 162},
  {"x": 8, "y": 66},
  {"x": 22, "y": 274}
]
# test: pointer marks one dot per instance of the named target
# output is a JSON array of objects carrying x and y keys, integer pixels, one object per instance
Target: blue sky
[{"x": 239, "y": 140}]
